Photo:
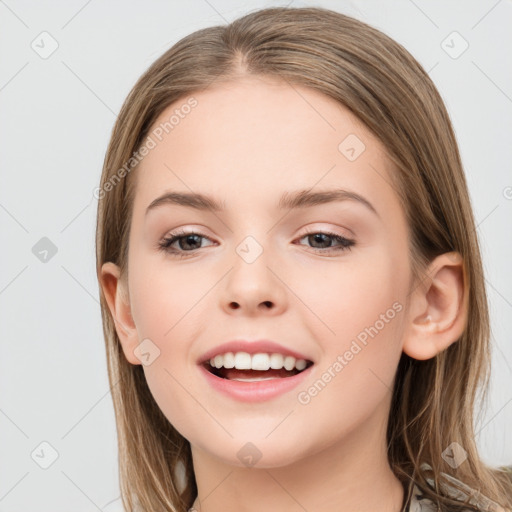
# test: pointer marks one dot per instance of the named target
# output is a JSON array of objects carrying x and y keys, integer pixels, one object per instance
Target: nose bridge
[
  {"x": 254, "y": 237},
  {"x": 252, "y": 283},
  {"x": 250, "y": 249},
  {"x": 252, "y": 262}
]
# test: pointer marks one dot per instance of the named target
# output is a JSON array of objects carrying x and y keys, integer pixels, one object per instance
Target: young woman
[{"x": 292, "y": 294}]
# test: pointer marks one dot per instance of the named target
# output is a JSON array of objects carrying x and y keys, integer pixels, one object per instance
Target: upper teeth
[{"x": 261, "y": 361}]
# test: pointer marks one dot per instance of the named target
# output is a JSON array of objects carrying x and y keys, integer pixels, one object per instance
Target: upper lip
[{"x": 251, "y": 347}]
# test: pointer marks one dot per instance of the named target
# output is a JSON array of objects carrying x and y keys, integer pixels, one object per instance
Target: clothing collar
[{"x": 454, "y": 488}]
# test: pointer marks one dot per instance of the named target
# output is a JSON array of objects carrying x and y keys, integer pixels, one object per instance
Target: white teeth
[
  {"x": 276, "y": 361},
  {"x": 259, "y": 361},
  {"x": 300, "y": 364},
  {"x": 242, "y": 361},
  {"x": 289, "y": 363},
  {"x": 229, "y": 360}
]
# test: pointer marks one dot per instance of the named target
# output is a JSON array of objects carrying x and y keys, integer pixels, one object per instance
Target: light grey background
[{"x": 57, "y": 114}]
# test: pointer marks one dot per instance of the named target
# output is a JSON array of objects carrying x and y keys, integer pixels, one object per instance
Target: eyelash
[{"x": 165, "y": 244}]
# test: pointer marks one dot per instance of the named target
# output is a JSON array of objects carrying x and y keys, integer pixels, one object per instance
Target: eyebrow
[{"x": 289, "y": 200}]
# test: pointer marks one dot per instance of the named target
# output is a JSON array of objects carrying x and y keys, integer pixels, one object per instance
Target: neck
[{"x": 351, "y": 475}]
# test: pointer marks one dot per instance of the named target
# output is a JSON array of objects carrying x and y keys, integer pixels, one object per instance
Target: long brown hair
[{"x": 373, "y": 76}]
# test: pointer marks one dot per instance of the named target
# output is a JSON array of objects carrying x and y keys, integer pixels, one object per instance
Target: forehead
[{"x": 253, "y": 139}]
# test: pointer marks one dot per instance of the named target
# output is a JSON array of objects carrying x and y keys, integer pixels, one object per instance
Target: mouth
[
  {"x": 252, "y": 375},
  {"x": 255, "y": 377}
]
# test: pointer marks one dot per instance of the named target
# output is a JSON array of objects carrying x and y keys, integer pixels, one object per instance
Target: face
[{"x": 325, "y": 279}]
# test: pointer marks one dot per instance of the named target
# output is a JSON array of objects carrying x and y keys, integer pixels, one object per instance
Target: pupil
[
  {"x": 187, "y": 239},
  {"x": 317, "y": 237}
]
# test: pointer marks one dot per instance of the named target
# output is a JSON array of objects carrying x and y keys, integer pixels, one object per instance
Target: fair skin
[{"x": 245, "y": 144}]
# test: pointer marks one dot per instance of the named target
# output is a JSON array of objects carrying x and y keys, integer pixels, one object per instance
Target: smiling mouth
[{"x": 253, "y": 375}]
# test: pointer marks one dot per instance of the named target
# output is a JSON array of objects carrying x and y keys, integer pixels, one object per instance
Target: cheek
[
  {"x": 344, "y": 297},
  {"x": 358, "y": 366},
  {"x": 163, "y": 297},
  {"x": 359, "y": 311},
  {"x": 363, "y": 306},
  {"x": 168, "y": 307}
]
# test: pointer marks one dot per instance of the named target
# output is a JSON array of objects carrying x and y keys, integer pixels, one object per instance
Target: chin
[{"x": 260, "y": 454}]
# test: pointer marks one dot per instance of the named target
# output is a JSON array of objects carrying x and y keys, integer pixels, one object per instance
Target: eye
[
  {"x": 324, "y": 239},
  {"x": 187, "y": 241},
  {"x": 190, "y": 241}
]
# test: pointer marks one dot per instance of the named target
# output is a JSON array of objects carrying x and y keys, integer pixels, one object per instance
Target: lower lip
[{"x": 254, "y": 391}]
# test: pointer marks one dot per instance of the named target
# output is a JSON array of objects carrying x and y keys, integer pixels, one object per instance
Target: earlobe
[
  {"x": 116, "y": 295},
  {"x": 438, "y": 308}
]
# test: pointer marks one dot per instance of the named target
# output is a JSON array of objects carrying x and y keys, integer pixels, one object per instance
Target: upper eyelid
[{"x": 186, "y": 231}]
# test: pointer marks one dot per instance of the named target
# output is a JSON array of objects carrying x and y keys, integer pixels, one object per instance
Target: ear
[
  {"x": 438, "y": 308},
  {"x": 116, "y": 295}
]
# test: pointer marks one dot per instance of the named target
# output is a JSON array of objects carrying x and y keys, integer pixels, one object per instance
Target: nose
[{"x": 254, "y": 287}]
